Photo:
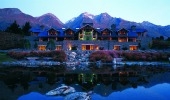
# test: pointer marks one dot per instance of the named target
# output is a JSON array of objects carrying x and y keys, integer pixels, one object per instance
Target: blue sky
[{"x": 154, "y": 11}]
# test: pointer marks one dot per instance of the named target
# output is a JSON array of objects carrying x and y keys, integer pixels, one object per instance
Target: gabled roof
[
  {"x": 123, "y": 29},
  {"x": 106, "y": 29},
  {"x": 86, "y": 25},
  {"x": 69, "y": 29},
  {"x": 52, "y": 29}
]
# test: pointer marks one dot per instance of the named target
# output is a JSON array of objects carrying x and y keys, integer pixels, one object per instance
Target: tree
[
  {"x": 35, "y": 45},
  {"x": 51, "y": 45},
  {"x": 14, "y": 28},
  {"x": 139, "y": 45},
  {"x": 26, "y": 29},
  {"x": 161, "y": 38},
  {"x": 25, "y": 44},
  {"x": 168, "y": 39}
]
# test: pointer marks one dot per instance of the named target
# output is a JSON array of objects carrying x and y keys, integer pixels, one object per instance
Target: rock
[
  {"x": 78, "y": 96},
  {"x": 63, "y": 90}
]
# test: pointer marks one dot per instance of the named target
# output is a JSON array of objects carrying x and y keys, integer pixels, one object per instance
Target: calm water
[
  {"x": 156, "y": 92},
  {"x": 107, "y": 83}
]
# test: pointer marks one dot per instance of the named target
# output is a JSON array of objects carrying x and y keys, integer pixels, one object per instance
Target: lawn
[{"x": 4, "y": 57}]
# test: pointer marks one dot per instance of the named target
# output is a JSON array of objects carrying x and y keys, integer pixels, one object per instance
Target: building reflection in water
[{"x": 103, "y": 80}]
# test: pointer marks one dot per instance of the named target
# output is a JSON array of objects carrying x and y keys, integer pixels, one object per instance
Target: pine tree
[
  {"x": 35, "y": 45},
  {"x": 26, "y": 29},
  {"x": 51, "y": 45},
  {"x": 14, "y": 28}
]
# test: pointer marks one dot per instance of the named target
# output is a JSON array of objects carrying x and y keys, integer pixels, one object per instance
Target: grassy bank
[{"x": 4, "y": 57}]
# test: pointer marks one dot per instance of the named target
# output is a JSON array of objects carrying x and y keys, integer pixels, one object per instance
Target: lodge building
[{"x": 89, "y": 38}]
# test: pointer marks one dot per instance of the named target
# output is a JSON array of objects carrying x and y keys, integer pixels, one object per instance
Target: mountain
[
  {"x": 77, "y": 21},
  {"x": 9, "y": 15},
  {"x": 50, "y": 20},
  {"x": 103, "y": 20}
]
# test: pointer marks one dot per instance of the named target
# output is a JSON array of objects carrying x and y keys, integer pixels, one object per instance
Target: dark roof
[
  {"x": 43, "y": 34},
  {"x": 132, "y": 34},
  {"x": 36, "y": 30},
  {"x": 61, "y": 33},
  {"x": 138, "y": 30},
  {"x": 141, "y": 30}
]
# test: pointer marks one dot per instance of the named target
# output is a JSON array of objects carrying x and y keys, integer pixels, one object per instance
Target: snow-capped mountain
[
  {"x": 77, "y": 21},
  {"x": 103, "y": 20}
]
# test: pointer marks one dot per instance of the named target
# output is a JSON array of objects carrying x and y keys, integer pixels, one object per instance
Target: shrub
[
  {"x": 56, "y": 55},
  {"x": 101, "y": 55}
]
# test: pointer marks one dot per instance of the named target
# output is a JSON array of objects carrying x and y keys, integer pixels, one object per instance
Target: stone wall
[
  {"x": 145, "y": 41},
  {"x": 106, "y": 44}
]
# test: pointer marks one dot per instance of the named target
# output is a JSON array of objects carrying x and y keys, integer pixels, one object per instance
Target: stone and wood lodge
[{"x": 89, "y": 38}]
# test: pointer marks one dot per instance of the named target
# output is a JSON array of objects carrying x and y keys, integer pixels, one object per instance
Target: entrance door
[{"x": 87, "y": 47}]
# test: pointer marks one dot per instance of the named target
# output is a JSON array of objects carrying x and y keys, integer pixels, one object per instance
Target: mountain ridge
[{"x": 103, "y": 20}]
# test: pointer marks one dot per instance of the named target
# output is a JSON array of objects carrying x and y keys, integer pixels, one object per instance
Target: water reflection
[{"x": 104, "y": 81}]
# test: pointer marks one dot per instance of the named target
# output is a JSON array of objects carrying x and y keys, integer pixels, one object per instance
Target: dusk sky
[{"x": 154, "y": 11}]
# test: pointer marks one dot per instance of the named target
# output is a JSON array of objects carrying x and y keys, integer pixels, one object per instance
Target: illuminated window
[
  {"x": 133, "y": 47},
  {"x": 122, "y": 40},
  {"x": 69, "y": 46},
  {"x": 83, "y": 47},
  {"x": 89, "y": 47},
  {"x": 52, "y": 32},
  {"x": 42, "y": 47},
  {"x": 116, "y": 47},
  {"x": 58, "y": 47}
]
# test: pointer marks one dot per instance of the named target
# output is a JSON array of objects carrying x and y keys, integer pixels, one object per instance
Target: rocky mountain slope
[{"x": 103, "y": 20}]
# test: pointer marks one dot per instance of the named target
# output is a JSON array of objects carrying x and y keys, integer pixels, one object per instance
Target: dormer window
[
  {"x": 106, "y": 32},
  {"x": 52, "y": 32},
  {"x": 69, "y": 32},
  {"x": 122, "y": 32}
]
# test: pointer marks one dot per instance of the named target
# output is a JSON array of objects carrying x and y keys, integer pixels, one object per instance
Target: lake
[{"x": 106, "y": 82}]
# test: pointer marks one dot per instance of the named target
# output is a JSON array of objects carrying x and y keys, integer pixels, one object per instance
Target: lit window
[
  {"x": 133, "y": 47},
  {"x": 42, "y": 47},
  {"x": 116, "y": 47},
  {"x": 58, "y": 47}
]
